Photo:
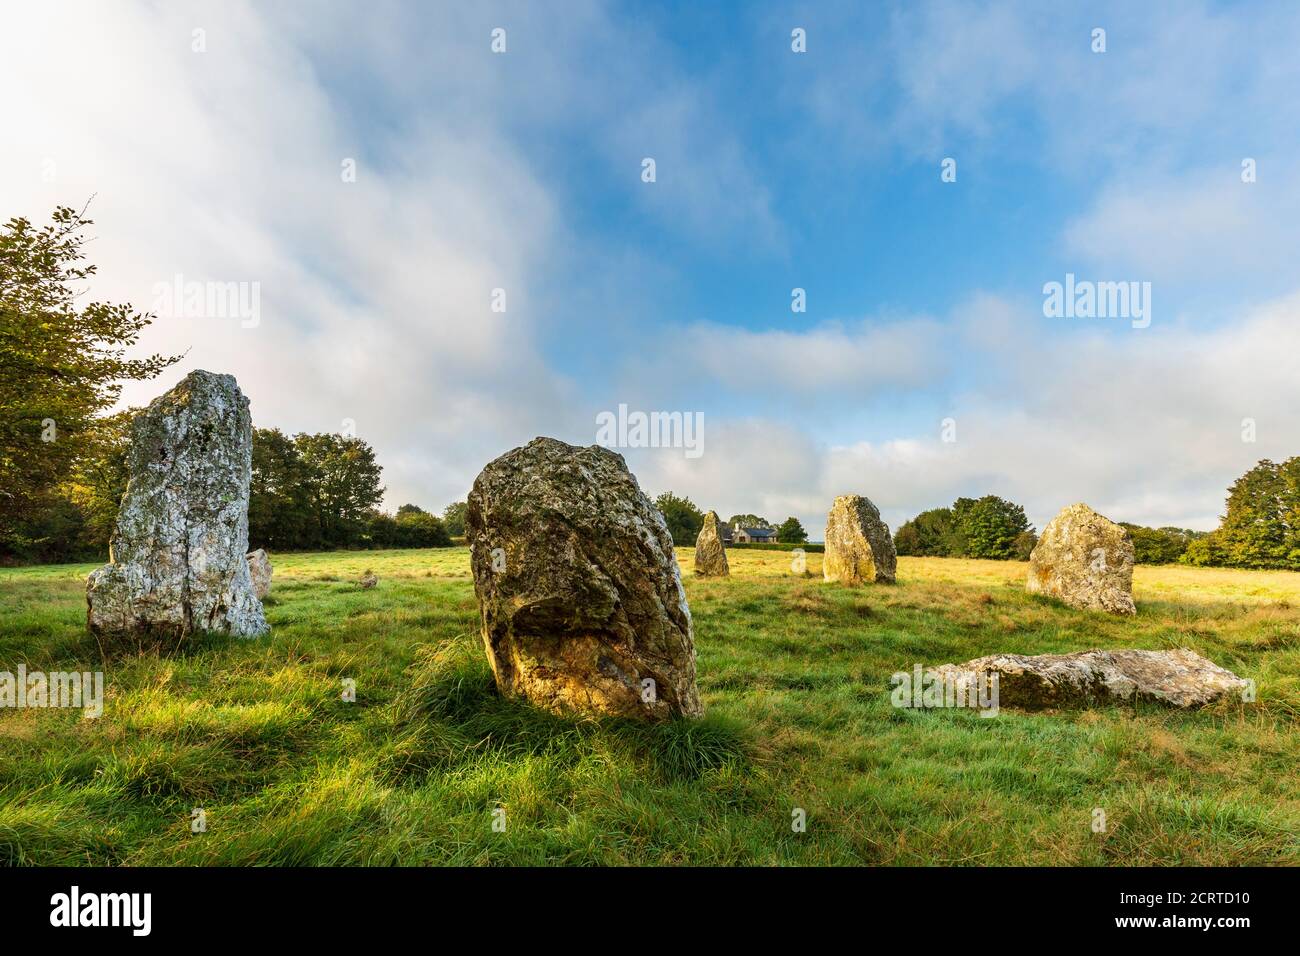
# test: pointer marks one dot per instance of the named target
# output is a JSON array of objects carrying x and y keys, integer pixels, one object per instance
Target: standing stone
[
  {"x": 177, "y": 558},
  {"x": 581, "y": 599},
  {"x": 859, "y": 548},
  {"x": 710, "y": 556},
  {"x": 1085, "y": 560},
  {"x": 259, "y": 569}
]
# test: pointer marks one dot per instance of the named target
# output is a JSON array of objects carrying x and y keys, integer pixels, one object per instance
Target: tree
[
  {"x": 411, "y": 527},
  {"x": 1159, "y": 545},
  {"x": 380, "y": 530},
  {"x": 453, "y": 517},
  {"x": 76, "y": 517},
  {"x": 1261, "y": 528},
  {"x": 684, "y": 519},
  {"x": 1254, "y": 531},
  {"x": 956, "y": 543},
  {"x": 61, "y": 365},
  {"x": 790, "y": 531},
  {"x": 748, "y": 521},
  {"x": 990, "y": 526},
  {"x": 930, "y": 534},
  {"x": 416, "y": 528},
  {"x": 281, "y": 513},
  {"x": 907, "y": 541},
  {"x": 1024, "y": 545},
  {"x": 343, "y": 482},
  {"x": 99, "y": 480}
]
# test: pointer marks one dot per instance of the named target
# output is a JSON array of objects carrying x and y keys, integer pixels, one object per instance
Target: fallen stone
[
  {"x": 579, "y": 591},
  {"x": 1085, "y": 560},
  {"x": 1178, "y": 678},
  {"x": 259, "y": 569},
  {"x": 368, "y": 580},
  {"x": 177, "y": 557},
  {"x": 710, "y": 555},
  {"x": 859, "y": 548}
]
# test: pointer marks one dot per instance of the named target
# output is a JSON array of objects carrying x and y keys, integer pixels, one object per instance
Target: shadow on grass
[
  {"x": 450, "y": 712},
  {"x": 160, "y": 643}
]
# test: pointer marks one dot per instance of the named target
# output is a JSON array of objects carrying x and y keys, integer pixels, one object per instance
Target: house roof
[{"x": 760, "y": 532}]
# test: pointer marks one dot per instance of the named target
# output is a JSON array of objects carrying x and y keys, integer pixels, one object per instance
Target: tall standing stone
[
  {"x": 579, "y": 591},
  {"x": 859, "y": 548},
  {"x": 1085, "y": 560},
  {"x": 710, "y": 555},
  {"x": 177, "y": 558}
]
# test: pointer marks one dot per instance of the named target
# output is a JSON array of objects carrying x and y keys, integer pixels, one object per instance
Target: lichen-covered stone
[
  {"x": 260, "y": 570},
  {"x": 859, "y": 548},
  {"x": 1085, "y": 560},
  {"x": 1179, "y": 678},
  {"x": 177, "y": 559},
  {"x": 581, "y": 599},
  {"x": 710, "y": 555}
]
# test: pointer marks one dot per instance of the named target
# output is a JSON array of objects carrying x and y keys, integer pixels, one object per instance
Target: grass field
[{"x": 794, "y": 674}]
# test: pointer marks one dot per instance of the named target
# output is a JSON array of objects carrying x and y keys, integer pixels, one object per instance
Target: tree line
[
  {"x": 988, "y": 527},
  {"x": 309, "y": 492},
  {"x": 320, "y": 492},
  {"x": 1261, "y": 526},
  {"x": 994, "y": 528}
]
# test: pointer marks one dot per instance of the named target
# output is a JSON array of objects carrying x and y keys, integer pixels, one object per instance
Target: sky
[{"x": 454, "y": 249}]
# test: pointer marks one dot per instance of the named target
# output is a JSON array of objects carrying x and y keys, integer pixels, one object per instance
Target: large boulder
[
  {"x": 859, "y": 548},
  {"x": 177, "y": 557},
  {"x": 1085, "y": 560},
  {"x": 1179, "y": 678},
  {"x": 710, "y": 555},
  {"x": 260, "y": 570},
  {"x": 580, "y": 595}
]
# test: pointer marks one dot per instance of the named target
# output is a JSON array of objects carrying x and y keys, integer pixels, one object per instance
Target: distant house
[{"x": 741, "y": 535}]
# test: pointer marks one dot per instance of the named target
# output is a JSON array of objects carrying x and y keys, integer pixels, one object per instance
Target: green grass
[{"x": 794, "y": 674}]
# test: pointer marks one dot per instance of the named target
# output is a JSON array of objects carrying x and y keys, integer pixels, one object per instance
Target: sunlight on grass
[{"x": 794, "y": 674}]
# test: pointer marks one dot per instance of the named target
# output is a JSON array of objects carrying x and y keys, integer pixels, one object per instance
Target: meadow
[{"x": 794, "y": 674}]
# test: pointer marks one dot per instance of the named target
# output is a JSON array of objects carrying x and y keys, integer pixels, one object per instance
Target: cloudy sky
[{"x": 218, "y": 141}]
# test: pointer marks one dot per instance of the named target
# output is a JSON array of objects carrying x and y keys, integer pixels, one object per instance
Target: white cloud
[
  {"x": 1202, "y": 226},
  {"x": 225, "y": 165},
  {"x": 1145, "y": 425}
]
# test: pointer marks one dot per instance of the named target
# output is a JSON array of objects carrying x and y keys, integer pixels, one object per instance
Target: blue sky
[{"x": 775, "y": 170}]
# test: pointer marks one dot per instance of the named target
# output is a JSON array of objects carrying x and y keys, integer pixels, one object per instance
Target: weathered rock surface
[
  {"x": 177, "y": 558},
  {"x": 859, "y": 548},
  {"x": 710, "y": 555},
  {"x": 1179, "y": 678},
  {"x": 368, "y": 580},
  {"x": 1085, "y": 560},
  {"x": 260, "y": 570},
  {"x": 580, "y": 595}
]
